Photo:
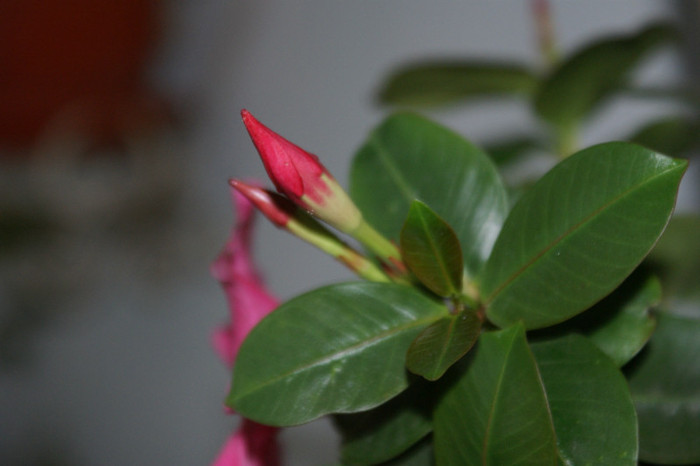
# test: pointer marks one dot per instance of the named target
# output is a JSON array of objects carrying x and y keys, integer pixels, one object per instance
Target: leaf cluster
[
  {"x": 532, "y": 328},
  {"x": 563, "y": 96},
  {"x": 507, "y": 345}
]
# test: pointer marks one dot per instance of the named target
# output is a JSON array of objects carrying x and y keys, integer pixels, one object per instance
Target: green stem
[
  {"x": 566, "y": 140},
  {"x": 308, "y": 230},
  {"x": 387, "y": 251}
]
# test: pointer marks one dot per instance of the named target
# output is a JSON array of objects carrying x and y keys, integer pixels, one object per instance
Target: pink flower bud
[
  {"x": 302, "y": 178},
  {"x": 276, "y": 208},
  {"x": 294, "y": 171}
]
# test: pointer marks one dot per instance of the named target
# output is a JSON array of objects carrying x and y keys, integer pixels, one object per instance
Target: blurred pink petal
[
  {"x": 252, "y": 444},
  {"x": 248, "y": 299}
]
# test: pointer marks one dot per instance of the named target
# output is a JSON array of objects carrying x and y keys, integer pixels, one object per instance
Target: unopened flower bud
[
  {"x": 283, "y": 213},
  {"x": 302, "y": 178}
]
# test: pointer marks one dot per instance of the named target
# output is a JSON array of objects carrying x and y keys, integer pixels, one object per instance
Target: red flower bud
[
  {"x": 294, "y": 171},
  {"x": 273, "y": 206},
  {"x": 302, "y": 178}
]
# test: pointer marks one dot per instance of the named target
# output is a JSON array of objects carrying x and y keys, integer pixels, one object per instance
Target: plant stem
[
  {"x": 387, "y": 251},
  {"x": 566, "y": 139}
]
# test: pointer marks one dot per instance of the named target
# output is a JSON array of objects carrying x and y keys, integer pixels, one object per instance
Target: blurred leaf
[
  {"x": 431, "y": 250},
  {"x": 496, "y": 412},
  {"x": 676, "y": 258},
  {"x": 440, "y": 83},
  {"x": 507, "y": 151},
  {"x": 420, "y": 454},
  {"x": 591, "y": 407},
  {"x": 665, "y": 385},
  {"x": 587, "y": 77},
  {"x": 335, "y": 349},
  {"x": 578, "y": 232},
  {"x": 385, "y": 432},
  {"x": 442, "y": 344},
  {"x": 670, "y": 135},
  {"x": 409, "y": 157}
]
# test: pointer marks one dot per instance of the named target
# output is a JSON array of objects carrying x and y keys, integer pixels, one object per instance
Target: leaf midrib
[
  {"x": 568, "y": 233},
  {"x": 437, "y": 254},
  {"x": 394, "y": 172},
  {"x": 499, "y": 384},
  {"x": 342, "y": 353}
]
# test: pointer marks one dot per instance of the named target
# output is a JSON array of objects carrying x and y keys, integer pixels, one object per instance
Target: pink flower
[
  {"x": 302, "y": 178},
  {"x": 249, "y": 301},
  {"x": 252, "y": 444}
]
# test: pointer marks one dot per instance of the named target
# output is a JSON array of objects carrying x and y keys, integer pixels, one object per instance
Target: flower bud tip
[{"x": 276, "y": 208}]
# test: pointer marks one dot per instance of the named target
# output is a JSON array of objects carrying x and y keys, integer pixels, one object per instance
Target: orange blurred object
[{"x": 79, "y": 59}]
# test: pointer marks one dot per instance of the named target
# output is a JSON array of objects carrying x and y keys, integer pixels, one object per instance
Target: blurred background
[{"x": 119, "y": 127}]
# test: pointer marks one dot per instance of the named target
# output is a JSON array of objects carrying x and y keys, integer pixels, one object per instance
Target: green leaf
[
  {"x": 442, "y": 344},
  {"x": 387, "y": 431},
  {"x": 593, "y": 414},
  {"x": 506, "y": 151},
  {"x": 621, "y": 324},
  {"x": 409, "y": 157},
  {"x": 665, "y": 385},
  {"x": 430, "y": 248},
  {"x": 496, "y": 412},
  {"x": 440, "y": 83},
  {"x": 420, "y": 454},
  {"x": 670, "y": 135},
  {"x": 585, "y": 79},
  {"x": 626, "y": 332},
  {"x": 336, "y": 349},
  {"x": 578, "y": 232},
  {"x": 676, "y": 259}
]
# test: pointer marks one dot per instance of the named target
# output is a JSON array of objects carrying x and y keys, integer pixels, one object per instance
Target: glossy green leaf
[
  {"x": 387, "y": 431},
  {"x": 440, "y": 83},
  {"x": 665, "y": 385},
  {"x": 591, "y": 406},
  {"x": 409, "y": 157},
  {"x": 622, "y": 323},
  {"x": 676, "y": 259},
  {"x": 430, "y": 248},
  {"x": 336, "y": 349},
  {"x": 589, "y": 76},
  {"x": 496, "y": 412},
  {"x": 670, "y": 135},
  {"x": 578, "y": 232},
  {"x": 442, "y": 344}
]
